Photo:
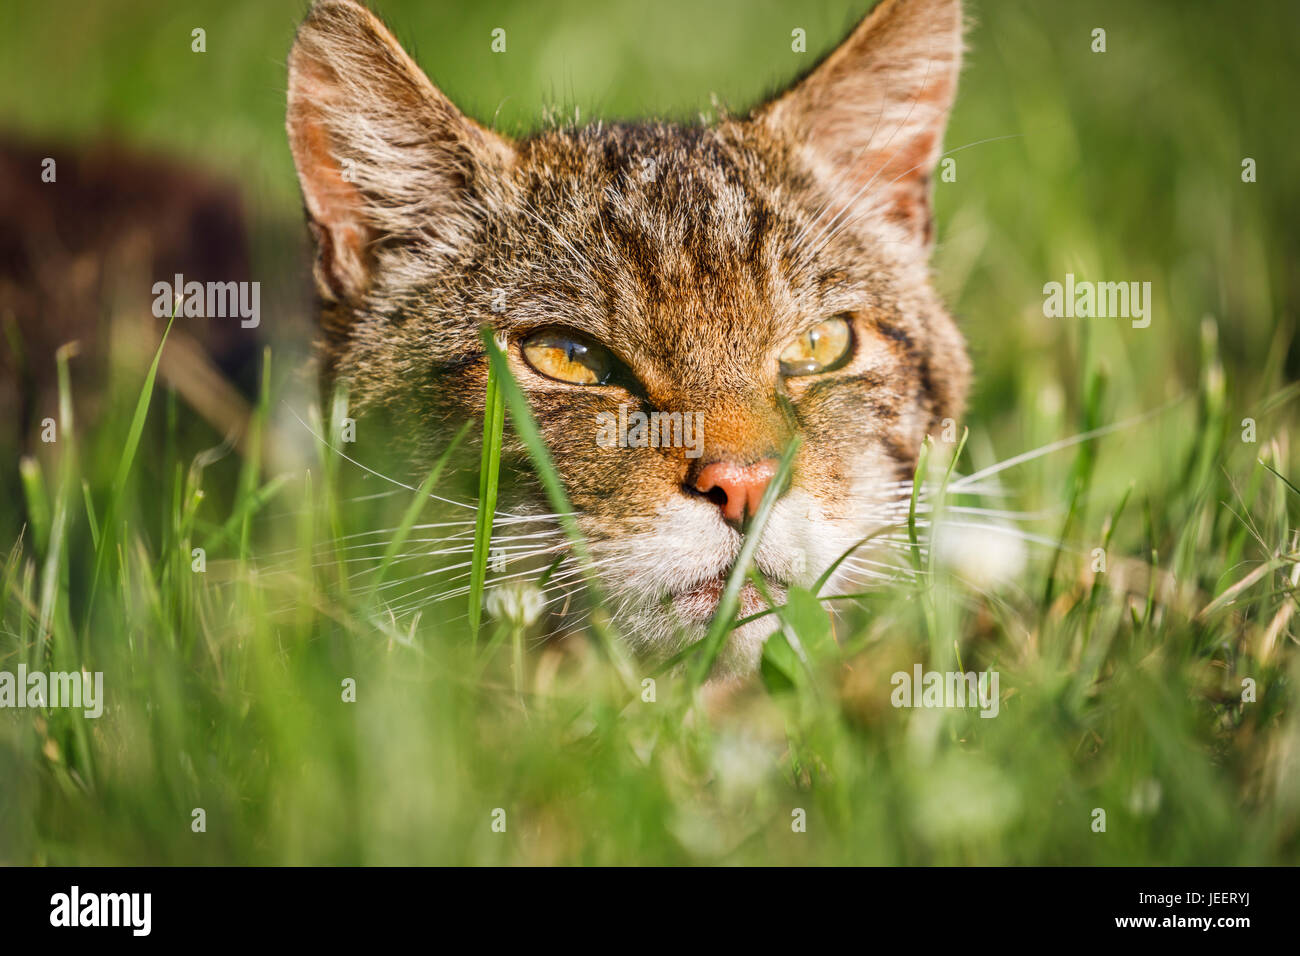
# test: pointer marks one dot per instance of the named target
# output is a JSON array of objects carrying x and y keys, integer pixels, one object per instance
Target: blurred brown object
[{"x": 87, "y": 247}]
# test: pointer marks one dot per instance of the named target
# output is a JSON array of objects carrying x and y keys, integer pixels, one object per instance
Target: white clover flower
[
  {"x": 1144, "y": 799},
  {"x": 985, "y": 557},
  {"x": 520, "y": 604}
]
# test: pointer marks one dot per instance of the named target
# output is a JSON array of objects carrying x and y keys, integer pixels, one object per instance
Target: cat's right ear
[{"x": 383, "y": 156}]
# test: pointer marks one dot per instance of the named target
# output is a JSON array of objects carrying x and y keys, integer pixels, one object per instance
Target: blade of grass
[
  {"x": 826, "y": 575},
  {"x": 413, "y": 509},
  {"x": 38, "y": 502},
  {"x": 249, "y": 505},
  {"x": 90, "y": 513},
  {"x": 489, "y": 478},
  {"x": 918, "y": 482},
  {"x": 1080, "y": 476},
  {"x": 253, "y": 460},
  {"x": 721, "y": 624},
  {"x": 521, "y": 417},
  {"x": 124, "y": 467},
  {"x": 1281, "y": 477}
]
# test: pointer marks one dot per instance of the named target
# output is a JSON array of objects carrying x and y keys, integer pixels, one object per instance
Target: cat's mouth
[{"x": 699, "y": 602}]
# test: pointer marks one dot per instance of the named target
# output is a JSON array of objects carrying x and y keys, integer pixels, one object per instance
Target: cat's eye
[
  {"x": 568, "y": 357},
  {"x": 822, "y": 348}
]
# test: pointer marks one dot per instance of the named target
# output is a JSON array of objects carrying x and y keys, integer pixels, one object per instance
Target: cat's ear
[
  {"x": 869, "y": 119},
  {"x": 383, "y": 156}
]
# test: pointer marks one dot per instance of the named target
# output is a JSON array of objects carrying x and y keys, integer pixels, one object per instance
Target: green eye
[
  {"x": 824, "y": 347},
  {"x": 568, "y": 357}
]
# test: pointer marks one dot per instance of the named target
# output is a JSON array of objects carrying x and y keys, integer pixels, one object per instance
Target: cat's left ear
[{"x": 869, "y": 119}]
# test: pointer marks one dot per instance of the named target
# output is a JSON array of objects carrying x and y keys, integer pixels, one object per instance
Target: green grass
[{"x": 1121, "y": 690}]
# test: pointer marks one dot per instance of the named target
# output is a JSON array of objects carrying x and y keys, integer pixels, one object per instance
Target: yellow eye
[
  {"x": 824, "y": 347},
  {"x": 567, "y": 357}
]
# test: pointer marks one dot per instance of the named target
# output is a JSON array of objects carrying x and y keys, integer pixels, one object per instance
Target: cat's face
[{"x": 760, "y": 279}]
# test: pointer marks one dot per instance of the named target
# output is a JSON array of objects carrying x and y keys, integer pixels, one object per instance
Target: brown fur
[
  {"x": 111, "y": 223},
  {"x": 748, "y": 232}
]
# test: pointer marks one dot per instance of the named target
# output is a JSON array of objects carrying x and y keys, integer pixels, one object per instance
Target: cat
[{"x": 768, "y": 273}]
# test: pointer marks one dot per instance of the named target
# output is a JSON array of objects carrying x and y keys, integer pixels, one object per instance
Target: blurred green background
[{"x": 1117, "y": 166}]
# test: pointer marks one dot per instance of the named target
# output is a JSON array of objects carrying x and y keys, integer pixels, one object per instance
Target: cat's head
[{"x": 761, "y": 278}]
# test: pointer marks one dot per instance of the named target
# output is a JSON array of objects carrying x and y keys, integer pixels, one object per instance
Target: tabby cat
[{"x": 766, "y": 273}]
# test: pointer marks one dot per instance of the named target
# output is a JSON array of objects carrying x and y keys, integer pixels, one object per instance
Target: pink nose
[{"x": 737, "y": 489}]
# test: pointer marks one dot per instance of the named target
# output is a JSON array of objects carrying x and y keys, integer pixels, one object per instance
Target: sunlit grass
[{"x": 1120, "y": 691}]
